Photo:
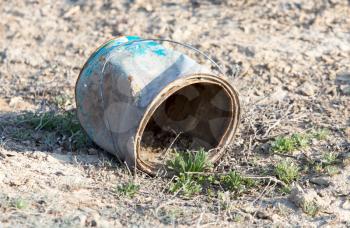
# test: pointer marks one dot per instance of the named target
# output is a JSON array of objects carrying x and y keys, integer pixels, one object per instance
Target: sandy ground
[{"x": 294, "y": 58}]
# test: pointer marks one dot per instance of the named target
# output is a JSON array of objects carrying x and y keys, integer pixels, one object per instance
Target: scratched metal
[{"x": 118, "y": 83}]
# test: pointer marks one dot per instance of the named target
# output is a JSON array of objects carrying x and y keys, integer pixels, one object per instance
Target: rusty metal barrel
[{"x": 137, "y": 99}]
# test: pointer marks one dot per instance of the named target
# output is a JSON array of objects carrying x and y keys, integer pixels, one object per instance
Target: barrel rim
[{"x": 172, "y": 88}]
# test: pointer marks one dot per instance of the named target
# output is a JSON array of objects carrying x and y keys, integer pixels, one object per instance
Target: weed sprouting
[
  {"x": 283, "y": 144},
  {"x": 191, "y": 177},
  {"x": 64, "y": 122},
  {"x": 19, "y": 203},
  {"x": 19, "y": 134},
  {"x": 186, "y": 184},
  {"x": 49, "y": 139},
  {"x": 310, "y": 208},
  {"x": 233, "y": 181},
  {"x": 224, "y": 200},
  {"x": 331, "y": 170},
  {"x": 285, "y": 189},
  {"x": 327, "y": 165},
  {"x": 288, "y": 144},
  {"x": 61, "y": 124},
  {"x": 185, "y": 166},
  {"x": 301, "y": 140},
  {"x": 189, "y": 162},
  {"x": 128, "y": 189},
  {"x": 320, "y": 134},
  {"x": 318, "y": 168},
  {"x": 329, "y": 158},
  {"x": 237, "y": 218},
  {"x": 287, "y": 171}
]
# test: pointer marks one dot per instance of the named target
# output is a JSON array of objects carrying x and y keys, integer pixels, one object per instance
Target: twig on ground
[
  {"x": 262, "y": 193},
  {"x": 274, "y": 179},
  {"x": 168, "y": 183},
  {"x": 278, "y": 121},
  {"x": 127, "y": 167},
  {"x": 198, "y": 224},
  {"x": 286, "y": 155},
  {"x": 171, "y": 144}
]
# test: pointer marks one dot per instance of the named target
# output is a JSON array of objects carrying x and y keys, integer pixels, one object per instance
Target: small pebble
[
  {"x": 306, "y": 89},
  {"x": 321, "y": 181}
]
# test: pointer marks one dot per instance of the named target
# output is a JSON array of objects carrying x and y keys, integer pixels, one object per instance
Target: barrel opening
[{"x": 196, "y": 116}]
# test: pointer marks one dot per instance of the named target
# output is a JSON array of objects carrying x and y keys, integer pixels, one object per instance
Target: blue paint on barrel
[
  {"x": 132, "y": 72},
  {"x": 134, "y": 49}
]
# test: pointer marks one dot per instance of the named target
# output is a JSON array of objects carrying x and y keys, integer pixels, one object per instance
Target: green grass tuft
[
  {"x": 321, "y": 134},
  {"x": 332, "y": 170},
  {"x": 61, "y": 124},
  {"x": 329, "y": 158},
  {"x": 310, "y": 208},
  {"x": 300, "y": 140},
  {"x": 186, "y": 167},
  {"x": 188, "y": 185},
  {"x": 128, "y": 189},
  {"x": 20, "y": 134},
  {"x": 327, "y": 165},
  {"x": 191, "y": 177},
  {"x": 64, "y": 122},
  {"x": 233, "y": 181},
  {"x": 289, "y": 144},
  {"x": 19, "y": 203},
  {"x": 189, "y": 162},
  {"x": 283, "y": 144},
  {"x": 285, "y": 189},
  {"x": 287, "y": 171}
]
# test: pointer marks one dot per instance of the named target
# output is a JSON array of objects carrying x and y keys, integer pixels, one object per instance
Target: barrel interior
[{"x": 196, "y": 116}]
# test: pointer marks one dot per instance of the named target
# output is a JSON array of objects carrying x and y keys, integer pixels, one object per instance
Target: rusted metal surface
[{"x": 123, "y": 85}]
